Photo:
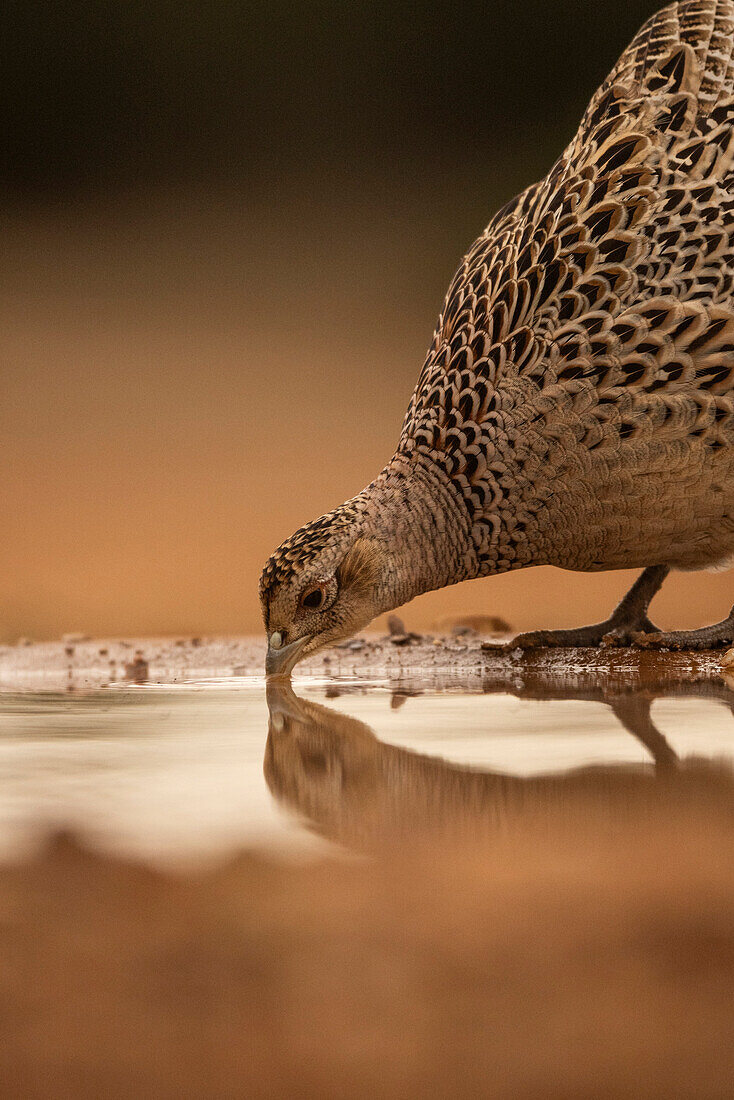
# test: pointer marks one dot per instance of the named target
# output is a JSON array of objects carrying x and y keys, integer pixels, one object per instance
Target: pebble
[
  {"x": 136, "y": 671},
  {"x": 395, "y": 625}
]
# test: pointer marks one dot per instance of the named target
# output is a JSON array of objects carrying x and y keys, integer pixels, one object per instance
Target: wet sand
[{"x": 460, "y": 659}]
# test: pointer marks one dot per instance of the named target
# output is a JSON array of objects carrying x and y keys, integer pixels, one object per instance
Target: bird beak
[{"x": 281, "y": 662}]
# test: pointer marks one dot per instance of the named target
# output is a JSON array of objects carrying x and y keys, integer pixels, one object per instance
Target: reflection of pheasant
[
  {"x": 353, "y": 788},
  {"x": 575, "y": 407}
]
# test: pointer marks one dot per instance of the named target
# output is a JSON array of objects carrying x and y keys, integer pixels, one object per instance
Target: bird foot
[
  {"x": 609, "y": 633},
  {"x": 628, "y": 620},
  {"x": 707, "y": 637}
]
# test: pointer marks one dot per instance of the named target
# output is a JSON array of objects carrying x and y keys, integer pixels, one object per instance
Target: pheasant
[{"x": 576, "y": 406}]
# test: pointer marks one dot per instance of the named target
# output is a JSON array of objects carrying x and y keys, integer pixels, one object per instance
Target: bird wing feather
[{"x": 606, "y": 287}]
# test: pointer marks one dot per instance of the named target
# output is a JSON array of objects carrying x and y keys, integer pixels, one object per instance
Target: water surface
[{"x": 187, "y": 773}]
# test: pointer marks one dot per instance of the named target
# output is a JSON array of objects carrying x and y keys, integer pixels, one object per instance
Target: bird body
[{"x": 576, "y": 406}]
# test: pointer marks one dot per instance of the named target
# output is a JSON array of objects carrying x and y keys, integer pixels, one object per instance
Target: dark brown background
[{"x": 226, "y": 232}]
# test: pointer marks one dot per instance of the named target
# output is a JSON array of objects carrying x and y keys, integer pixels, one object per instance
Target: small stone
[
  {"x": 477, "y": 624},
  {"x": 356, "y": 644},
  {"x": 395, "y": 625},
  {"x": 103, "y": 652},
  {"x": 196, "y": 641},
  {"x": 25, "y": 641},
  {"x": 136, "y": 671}
]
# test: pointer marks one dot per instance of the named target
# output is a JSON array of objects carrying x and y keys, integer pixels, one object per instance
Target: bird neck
[{"x": 421, "y": 526}]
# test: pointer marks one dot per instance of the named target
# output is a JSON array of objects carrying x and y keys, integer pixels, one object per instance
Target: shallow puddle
[{"x": 183, "y": 774}]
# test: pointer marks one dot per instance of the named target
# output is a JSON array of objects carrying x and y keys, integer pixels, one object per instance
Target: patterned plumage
[{"x": 576, "y": 407}]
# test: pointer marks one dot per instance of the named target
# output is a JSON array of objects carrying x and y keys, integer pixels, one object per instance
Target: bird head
[{"x": 319, "y": 587}]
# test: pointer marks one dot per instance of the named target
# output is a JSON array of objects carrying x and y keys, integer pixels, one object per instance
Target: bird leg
[
  {"x": 707, "y": 637},
  {"x": 628, "y": 620}
]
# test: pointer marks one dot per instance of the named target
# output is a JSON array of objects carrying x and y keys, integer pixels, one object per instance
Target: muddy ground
[{"x": 464, "y": 659}]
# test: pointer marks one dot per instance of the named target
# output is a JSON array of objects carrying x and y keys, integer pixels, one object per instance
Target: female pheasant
[{"x": 576, "y": 407}]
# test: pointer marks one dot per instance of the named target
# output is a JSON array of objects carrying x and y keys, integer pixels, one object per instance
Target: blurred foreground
[{"x": 563, "y": 959}]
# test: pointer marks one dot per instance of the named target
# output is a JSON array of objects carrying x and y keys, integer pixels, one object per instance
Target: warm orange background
[{"x": 188, "y": 377}]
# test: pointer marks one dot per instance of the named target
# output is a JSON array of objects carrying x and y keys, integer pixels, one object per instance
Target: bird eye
[{"x": 313, "y": 598}]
